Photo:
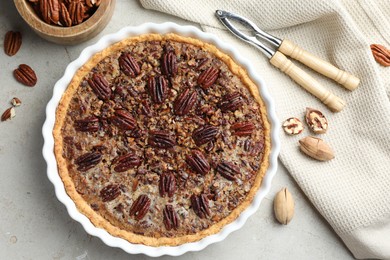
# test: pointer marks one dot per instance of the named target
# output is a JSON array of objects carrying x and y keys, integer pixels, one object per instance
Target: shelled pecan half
[
  {"x": 100, "y": 86},
  {"x": 198, "y": 162},
  {"x": 208, "y": 77},
  {"x": 381, "y": 54},
  {"x": 205, "y": 134},
  {"x": 167, "y": 185},
  {"x": 158, "y": 88},
  {"x": 12, "y": 42},
  {"x": 161, "y": 139},
  {"x": 110, "y": 192},
  {"x": 228, "y": 170},
  {"x": 129, "y": 65},
  {"x": 125, "y": 162},
  {"x": 88, "y": 161},
  {"x": 25, "y": 75},
  {"x": 185, "y": 102},
  {"x": 200, "y": 205},
  {"x": 140, "y": 207},
  {"x": 169, "y": 64},
  {"x": 171, "y": 219}
]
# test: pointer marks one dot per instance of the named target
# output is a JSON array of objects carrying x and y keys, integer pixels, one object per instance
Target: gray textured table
[{"x": 34, "y": 225}]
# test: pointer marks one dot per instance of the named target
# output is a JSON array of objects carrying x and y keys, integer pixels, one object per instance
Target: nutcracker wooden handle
[
  {"x": 347, "y": 80},
  {"x": 333, "y": 102}
]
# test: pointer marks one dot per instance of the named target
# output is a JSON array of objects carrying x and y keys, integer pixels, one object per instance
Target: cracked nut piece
[
  {"x": 16, "y": 102},
  {"x": 293, "y": 126},
  {"x": 8, "y": 114},
  {"x": 284, "y": 206},
  {"x": 316, "y": 121},
  {"x": 316, "y": 148}
]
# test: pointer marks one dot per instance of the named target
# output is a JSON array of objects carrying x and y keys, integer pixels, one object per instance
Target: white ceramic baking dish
[{"x": 48, "y": 147}]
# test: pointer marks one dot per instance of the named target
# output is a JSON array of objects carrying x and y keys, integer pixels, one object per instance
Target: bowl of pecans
[{"x": 66, "y": 22}]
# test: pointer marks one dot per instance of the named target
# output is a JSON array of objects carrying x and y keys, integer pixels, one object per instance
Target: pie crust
[{"x": 112, "y": 225}]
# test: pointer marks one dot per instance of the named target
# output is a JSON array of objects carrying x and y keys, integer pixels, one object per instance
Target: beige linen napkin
[{"x": 353, "y": 190}]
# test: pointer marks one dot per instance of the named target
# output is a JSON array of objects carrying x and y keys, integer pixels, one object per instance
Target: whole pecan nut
[
  {"x": 158, "y": 88},
  {"x": 89, "y": 124},
  {"x": 228, "y": 170},
  {"x": 110, "y": 192},
  {"x": 205, "y": 134},
  {"x": 243, "y": 128},
  {"x": 100, "y": 86},
  {"x": 123, "y": 119},
  {"x": 231, "y": 102},
  {"x": 140, "y": 207},
  {"x": 169, "y": 64},
  {"x": 198, "y": 162},
  {"x": 171, "y": 219},
  {"x": 129, "y": 65},
  {"x": 125, "y": 162},
  {"x": 161, "y": 139},
  {"x": 12, "y": 42},
  {"x": 88, "y": 161},
  {"x": 184, "y": 102},
  {"x": 381, "y": 54},
  {"x": 167, "y": 185},
  {"x": 207, "y": 78},
  {"x": 200, "y": 205},
  {"x": 25, "y": 75}
]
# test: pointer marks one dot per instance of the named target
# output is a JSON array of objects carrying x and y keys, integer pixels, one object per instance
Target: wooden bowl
[{"x": 67, "y": 35}]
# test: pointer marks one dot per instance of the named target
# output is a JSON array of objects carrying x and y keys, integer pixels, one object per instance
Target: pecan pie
[{"x": 161, "y": 139}]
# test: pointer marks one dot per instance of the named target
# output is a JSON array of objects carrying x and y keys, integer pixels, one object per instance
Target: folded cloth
[{"x": 351, "y": 191}]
